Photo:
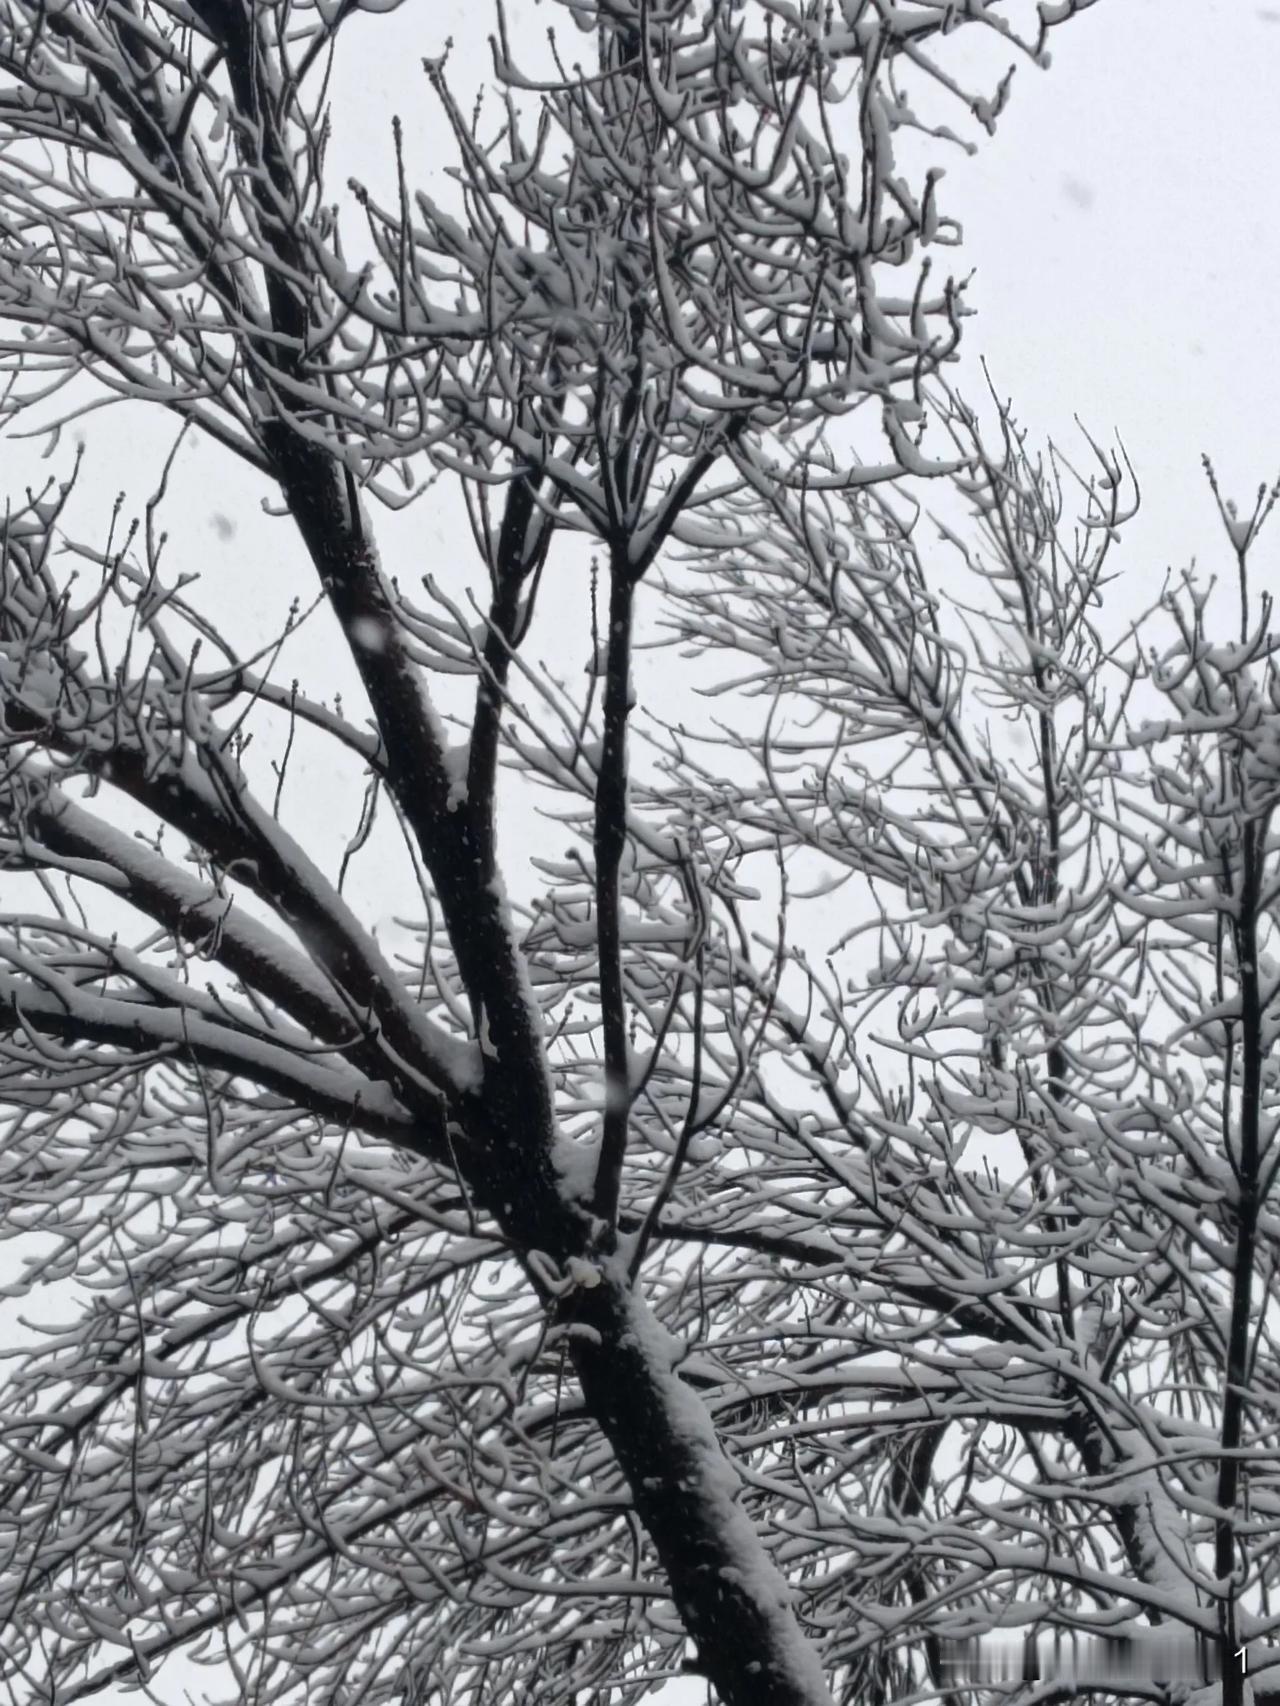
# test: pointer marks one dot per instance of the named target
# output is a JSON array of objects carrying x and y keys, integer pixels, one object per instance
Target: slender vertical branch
[
  {"x": 519, "y": 553},
  {"x": 610, "y": 836},
  {"x": 1246, "y": 1166}
]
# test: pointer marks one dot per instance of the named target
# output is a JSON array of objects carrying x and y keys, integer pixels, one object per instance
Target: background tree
[
  {"x": 422, "y": 1354},
  {"x": 1036, "y": 1183}
]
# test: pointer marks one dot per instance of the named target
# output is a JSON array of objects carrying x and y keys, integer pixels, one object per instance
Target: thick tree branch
[
  {"x": 610, "y": 837},
  {"x": 56, "y": 1008},
  {"x": 77, "y": 841}
]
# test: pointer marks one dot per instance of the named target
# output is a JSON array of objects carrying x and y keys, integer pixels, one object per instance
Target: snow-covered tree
[
  {"x": 1024, "y": 1334},
  {"x": 638, "y": 1272}
]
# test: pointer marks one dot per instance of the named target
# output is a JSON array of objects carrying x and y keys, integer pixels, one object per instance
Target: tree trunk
[{"x": 732, "y": 1601}]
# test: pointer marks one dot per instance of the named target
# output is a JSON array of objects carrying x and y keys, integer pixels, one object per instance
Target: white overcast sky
[{"x": 1123, "y": 228}]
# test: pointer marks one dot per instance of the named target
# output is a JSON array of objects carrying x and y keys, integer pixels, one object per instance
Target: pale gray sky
[{"x": 1123, "y": 230}]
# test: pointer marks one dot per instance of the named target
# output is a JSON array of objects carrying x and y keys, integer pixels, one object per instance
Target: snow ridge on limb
[
  {"x": 55, "y": 1007},
  {"x": 57, "y": 834}
]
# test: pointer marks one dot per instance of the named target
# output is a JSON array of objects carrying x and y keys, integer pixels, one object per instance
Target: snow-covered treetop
[{"x": 696, "y": 244}]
